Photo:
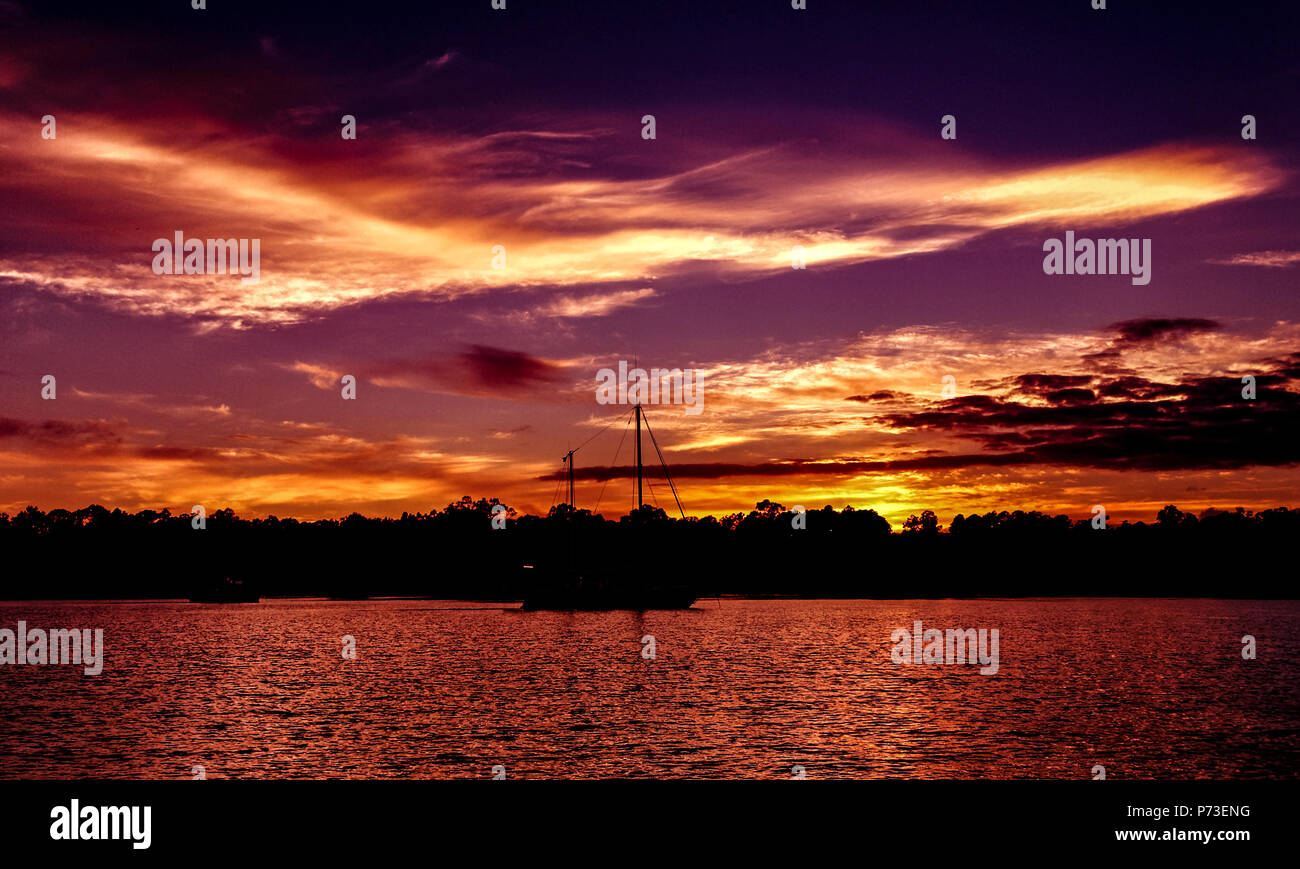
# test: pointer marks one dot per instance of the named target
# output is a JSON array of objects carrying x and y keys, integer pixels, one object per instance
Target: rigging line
[
  {"x": 556, "y": 493},
  {"x": 654, "y": 490},
  {"x": 596, "y": 435},
  {"x": 614, "y": 465},
  {"x": 663, "y": 465}
]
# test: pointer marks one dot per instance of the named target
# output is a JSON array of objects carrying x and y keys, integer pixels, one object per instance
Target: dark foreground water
[{"x": 737, "y": 689}]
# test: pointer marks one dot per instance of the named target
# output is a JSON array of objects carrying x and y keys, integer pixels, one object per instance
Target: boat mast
[
  {"x": 568, "y": 459},
  {"x": 667, "y": 476},
  {"x": 639, "y": 501}
]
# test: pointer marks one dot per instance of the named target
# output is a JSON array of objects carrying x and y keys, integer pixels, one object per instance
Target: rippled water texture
[{"x": 738, "y": 689}]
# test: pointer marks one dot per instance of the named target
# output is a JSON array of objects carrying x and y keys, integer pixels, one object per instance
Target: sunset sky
[{"x": 774, "y": 128}]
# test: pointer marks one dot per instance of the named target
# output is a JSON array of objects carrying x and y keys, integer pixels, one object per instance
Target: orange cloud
[{"x": 333, "y": 236}]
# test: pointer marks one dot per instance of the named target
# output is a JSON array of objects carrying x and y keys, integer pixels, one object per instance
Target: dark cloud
[
  {"x": 1071, "y": 396},
  {"x": 1138, "y": 388},
  {"x": 58, "y": 433},
  {"x": 793, "y": 467},
  {"x": 1039, "y": 384},
  {"x": 507, "y": 369},
  {"x": 186, "y": 454},
  {"x": 1200, "y": 423},
  {"x": 1150, "y": 329},
  {"x": 1131, "y": 334},
  {"x": 479, "y": 370},
  {"x": 1287, "y": 367}
]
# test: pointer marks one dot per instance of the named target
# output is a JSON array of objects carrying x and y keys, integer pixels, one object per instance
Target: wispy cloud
[
  {"x": 1276, "y": 259},
  {"x": 333, "y": 236}
]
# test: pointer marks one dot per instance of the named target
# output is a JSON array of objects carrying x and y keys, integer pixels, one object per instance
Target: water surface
[{"x": 738, "y": 689}]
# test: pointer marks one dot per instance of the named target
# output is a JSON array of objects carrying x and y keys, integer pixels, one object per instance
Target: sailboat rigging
[{"x": 634, "y": 587}]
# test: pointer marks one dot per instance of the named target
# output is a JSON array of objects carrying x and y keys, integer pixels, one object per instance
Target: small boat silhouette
[
  {"x": 570, "y": 589},
  {"x": 577, "y": 592},
  {"x": 226, "y": 591}
]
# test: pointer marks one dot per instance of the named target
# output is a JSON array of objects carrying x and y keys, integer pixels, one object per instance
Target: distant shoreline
[
  {"x": 466, "y": 553},
  {"x": 704, "y": 599}
]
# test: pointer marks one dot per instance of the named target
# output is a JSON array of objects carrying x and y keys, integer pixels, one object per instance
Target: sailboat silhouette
[{"x": 636, "y": 586}]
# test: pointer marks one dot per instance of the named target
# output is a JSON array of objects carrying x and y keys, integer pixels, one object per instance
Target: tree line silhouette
[{"x": 456, "y": 553}]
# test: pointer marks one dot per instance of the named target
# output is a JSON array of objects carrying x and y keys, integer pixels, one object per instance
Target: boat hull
[
  {"x": 216, "y": 599},
  {"x": 600, "y": 603},
  {"x": 225, "y": 592},
  {"x": 584, "y": 594}
]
